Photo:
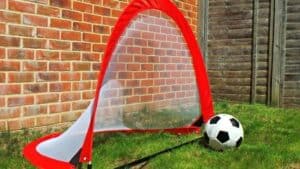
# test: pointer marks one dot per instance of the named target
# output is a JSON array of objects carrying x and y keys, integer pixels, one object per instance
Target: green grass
[{"x": 272, "y": 140}]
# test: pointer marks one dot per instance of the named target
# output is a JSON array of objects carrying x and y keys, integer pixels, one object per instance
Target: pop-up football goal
[{"x": 152, "y": 79}]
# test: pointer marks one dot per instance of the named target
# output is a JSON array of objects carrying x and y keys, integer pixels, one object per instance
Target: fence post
[{"x": 278, "y": 52}]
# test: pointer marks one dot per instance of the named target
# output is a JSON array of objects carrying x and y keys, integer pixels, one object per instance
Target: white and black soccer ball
[{"x": 223, "y": 131}]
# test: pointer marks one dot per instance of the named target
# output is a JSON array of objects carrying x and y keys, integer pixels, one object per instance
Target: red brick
[
  {"x": 28, "y": 123},
  {"x": 96, "y": 66},
  {"x": 116, "y": 13},
  {"x": 102, "y": 11},
  {"x": 59, "y": 108},
  {"x": 148, "y": 35},
  {"x": 34, "y": 110},
  {"x": 70, "y": 35},
  {"x": 20, "y": 101},
  {"x": 80, "y": 105},
  {"x": 147, "y": 67},
  {"x": 153, "y": 90},
  {"x": 47, "y": 77},
  {"x": 35, "y": 20},
  {"x": 92, "y": 18},
  {"x": 14, "y": 124},
  {"x": 34, "y": 43},
  {"x": 72, "y": 15},
  {"x": 47, "y": 120},
  {"x": 89, "y": 76},
  {"x": 2, "y": 77},
  {"x": 88, "y": 94},
  {"x": 48, "y": 11},
  {"x": 140, "y": 75},
  {"x": 59, "y": 66},
  {"x": 9, "y": 113},
  {"x": 35, "y": 66},
  {"x": 35, "y": 88},
  {"x": 47, "y": 33},
  {"x": 10, "y": 17},
  {"x": 99, "y": 47},
  {"x": 70, "y": 97},
  {"x": 81, "y": 26},
  {"x": 109, "y": 21},
  {"x": 101, "y": 29},
  {"x": 20, "y": 54},
  {"x": 9, "y": 41},
  {"x": 2, "y": 6},
  {"x": 70, "y": 56},
  {"x": 60, "y": 23},
  {"x": 137, "y": 58},
  {"x": 60, "y": 87},
  {"x": 47, "y": 55},
  {"x": 104, "y": 39},
  {"x": 81, "y": 66},
  {"x": 133, "y": 67},
  {"x": 70, "y": 76},
  {"x": 10, "y": 89},
  {"x": 81, "y": 86},
  {"x": 47, "y": 98},
  {"x": 2, "y": 53},
  {"x": 111, "y": 4},
  {"x": 91, "y": 37},
  {"x": 133, "y": 50},
  {"x": 20, "y": 77},
  {"x": 21, "y": 6},
  {"x": 147, "y": 98},
  {"x": 132, "y": 99},
  {"x": 158, "y": 97},
  {"x": 147, "y": 51},
  {"x": 9, "y": 66},
  {"x": 2, "y": 102},
  {"x": 61, "y": 3},
  {"x": 83, "y": 7},
  {"x": 2, "y": 28},
  {"x": 139, "y": 91},
  {"x": 59, "y": 45},
  {"x": 125, "y": 75},
  {"x": 80, "y": 46},
  {"x": 170, "y": 95},
  {"x": 147, "y": 83},
  {"x": 91, "y": 57}
]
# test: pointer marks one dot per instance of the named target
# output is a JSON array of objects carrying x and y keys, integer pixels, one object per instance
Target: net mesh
[
  {"x": 151, "y": 78},
  {"x": 149, "y": 84}
]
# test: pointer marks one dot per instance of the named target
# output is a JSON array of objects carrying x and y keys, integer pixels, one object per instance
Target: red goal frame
[{"x": 134, "y": 8}]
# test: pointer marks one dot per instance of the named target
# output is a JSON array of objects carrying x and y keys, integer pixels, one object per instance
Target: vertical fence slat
[
  {"x": 254, "y": 50},
  {"x": 270, "y": 53}
]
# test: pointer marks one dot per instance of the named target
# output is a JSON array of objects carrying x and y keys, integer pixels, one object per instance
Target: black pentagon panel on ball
[
  {"x": 234, "y": 122},
  {"x": 223, "y": 136},
  {"x": 215, "y": 120},
  {"x": 239, "y": 142}
]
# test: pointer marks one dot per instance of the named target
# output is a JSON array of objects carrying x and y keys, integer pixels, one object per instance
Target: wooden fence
[{"x": 252, "y": 50}]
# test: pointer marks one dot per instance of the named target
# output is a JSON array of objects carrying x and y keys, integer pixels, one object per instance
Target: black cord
[{"x": 149, "y": 157}]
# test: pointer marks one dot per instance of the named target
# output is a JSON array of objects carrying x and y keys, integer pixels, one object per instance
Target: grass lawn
[{"x": 272, "y": 140}]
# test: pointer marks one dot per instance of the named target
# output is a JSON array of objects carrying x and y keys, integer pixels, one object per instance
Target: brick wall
[{"x": 50, "y": 52}]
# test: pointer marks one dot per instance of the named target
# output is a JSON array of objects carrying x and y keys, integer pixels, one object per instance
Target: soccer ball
[{"x": 223, "y": 131}]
